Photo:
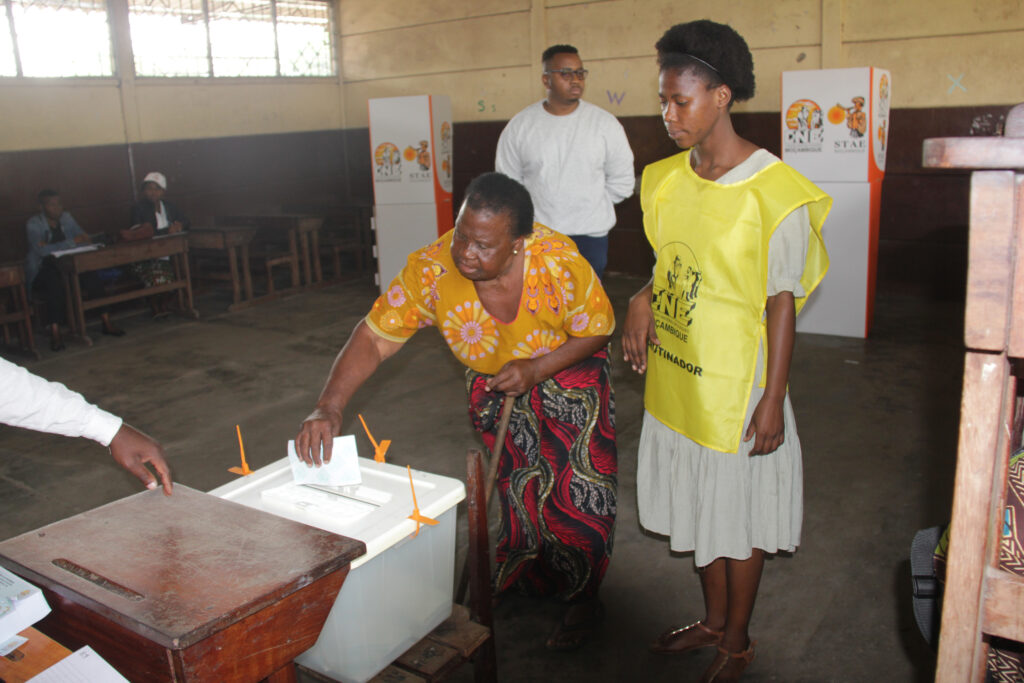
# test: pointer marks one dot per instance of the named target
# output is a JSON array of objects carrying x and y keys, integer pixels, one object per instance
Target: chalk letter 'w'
[{"x": 616, "y": 97}]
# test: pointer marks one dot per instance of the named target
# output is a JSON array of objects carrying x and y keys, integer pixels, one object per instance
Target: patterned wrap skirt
[{"x": 556, "y": 481}]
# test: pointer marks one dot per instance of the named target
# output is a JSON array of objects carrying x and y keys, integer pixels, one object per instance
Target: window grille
[
  {"x": 229, "y": 38},
  {"x": 53, "y": 38}
]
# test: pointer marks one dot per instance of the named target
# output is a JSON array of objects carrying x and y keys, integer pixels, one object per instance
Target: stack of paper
[
  {"x": 21, "y": 605},
  {"x": 78, "y": 667}
]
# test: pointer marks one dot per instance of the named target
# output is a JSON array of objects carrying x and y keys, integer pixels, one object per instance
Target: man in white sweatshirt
[
  {"x": 29, "y": 401},
  {"x": 571, "y": 155}
]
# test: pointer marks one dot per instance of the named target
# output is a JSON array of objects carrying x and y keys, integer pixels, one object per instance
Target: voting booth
[
  {"x": 835, "y": 131},
  {"x": 411, "y": 158}
]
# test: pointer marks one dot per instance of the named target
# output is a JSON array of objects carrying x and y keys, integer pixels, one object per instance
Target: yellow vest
[{"x": 710, "y": 288}]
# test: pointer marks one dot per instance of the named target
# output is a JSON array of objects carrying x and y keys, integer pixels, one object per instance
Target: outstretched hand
[
  {"x": 318, "y": 431},
  {"x": 639, "y": 330},
  {"x": 132, "y": 449}
]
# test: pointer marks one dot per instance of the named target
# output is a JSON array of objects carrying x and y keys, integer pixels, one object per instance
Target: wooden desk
[
  {"x": 12, "y": 278},
  {"x": 34, "y": 657},
  {"x": 234, "y": 241},
  {"x": 122, "y": 254},
  {"x": 303, "y": 238},
  {"x": 185, "y": 588}
]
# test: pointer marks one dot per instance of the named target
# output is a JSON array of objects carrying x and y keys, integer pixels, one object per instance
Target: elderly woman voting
[{"x": 525, "y": 313}]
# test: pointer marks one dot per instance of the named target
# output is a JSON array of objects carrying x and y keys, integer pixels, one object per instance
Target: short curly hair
[
  {"x": 715, "y": 52},
  {"x": 496, "y": 193},
  {"x": 557, "y": 50}
]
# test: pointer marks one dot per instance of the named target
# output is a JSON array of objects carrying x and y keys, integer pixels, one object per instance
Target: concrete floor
[{"x": 878, "y": 422}]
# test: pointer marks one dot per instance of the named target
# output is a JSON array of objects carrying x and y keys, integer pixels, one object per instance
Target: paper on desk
[
  {"x": 82, "y": 666},
  {"x": 76, "y": 250},
  {"x": 11, "y": 645},
  {"x": 342, "y": 470},
  {"x": 21, "y": 604}
]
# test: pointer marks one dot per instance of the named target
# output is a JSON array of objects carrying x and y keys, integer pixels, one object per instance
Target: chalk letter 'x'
[{"x": 956, "y": 84}]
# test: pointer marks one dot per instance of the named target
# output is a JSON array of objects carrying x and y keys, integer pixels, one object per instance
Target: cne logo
[
  {"x": 677, "y": 290},
  {"x": 387, "y": 162},
  {"x": 805, "y": 131}
]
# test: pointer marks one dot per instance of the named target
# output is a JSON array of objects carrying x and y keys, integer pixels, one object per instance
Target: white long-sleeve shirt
[
  {"x": 32, "y": 402},
  {"x": 576, "y": 167}
]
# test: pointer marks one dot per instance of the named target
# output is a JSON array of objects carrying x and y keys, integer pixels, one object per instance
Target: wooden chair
[
  {"x": 273, "y": 259},
  {"x": 351, "y": 237},
  {"x": 980, "y": 599},
  {"x": 468, "y": 634},
  {"x": 14, "y": 307}
]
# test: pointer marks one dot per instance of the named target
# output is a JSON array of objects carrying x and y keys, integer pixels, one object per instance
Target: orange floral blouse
[{"x": 562, "y": 297}]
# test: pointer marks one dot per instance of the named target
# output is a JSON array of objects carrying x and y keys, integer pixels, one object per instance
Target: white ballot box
[
  {"x": 835, "y": 130},
  {"x": 401, "y": 589},
  {"x": 411, "y": 148}
]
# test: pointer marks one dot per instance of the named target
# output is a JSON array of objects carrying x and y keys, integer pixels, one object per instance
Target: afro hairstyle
[{"x": 685, "y": 46}]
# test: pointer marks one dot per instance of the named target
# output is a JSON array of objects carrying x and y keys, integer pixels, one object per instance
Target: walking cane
[{"x": 492, "y": 477}]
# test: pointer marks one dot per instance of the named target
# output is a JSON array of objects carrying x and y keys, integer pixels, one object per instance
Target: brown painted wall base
[{"x": 922, "y": 246}]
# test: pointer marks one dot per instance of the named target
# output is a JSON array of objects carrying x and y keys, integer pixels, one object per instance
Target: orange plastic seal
[
  {"x": 416, "y": 516},
  {"x": 244, "y": 469},
  {"x": 378, "y": 449}
]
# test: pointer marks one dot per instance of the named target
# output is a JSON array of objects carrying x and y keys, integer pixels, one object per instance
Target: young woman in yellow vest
[{"x": 737, "y": 235}]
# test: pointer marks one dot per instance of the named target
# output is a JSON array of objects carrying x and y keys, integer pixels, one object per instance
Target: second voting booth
[
  {"x": 835, "y": 130},
  {"x": 411, "y": 154}
]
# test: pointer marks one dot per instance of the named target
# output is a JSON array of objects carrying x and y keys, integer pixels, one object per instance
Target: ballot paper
[
  {"x": 21, "y": 604},
  {"x": 342, "y": 470},
  {"x": 81, "y": 666}
]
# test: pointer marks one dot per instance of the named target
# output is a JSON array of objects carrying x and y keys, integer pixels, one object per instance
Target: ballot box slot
[
  {"x": 339, "y": 505},
  {"x": 101, "y": 581},
  {"x": 364, "y": 497}
]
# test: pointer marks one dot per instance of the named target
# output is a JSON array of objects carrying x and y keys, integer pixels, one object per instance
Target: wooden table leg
[
  {"x": 236, "y": 293},
  {"x": 314, "y": 238},
  {"x": 294, "y": 246},
  {"x": 76, "y": 309},
  {"x": 190, "y": 310},
  {"x": 306, "y": 265},
  {"x": 246, "y": 272},
  {"x": 176, "y": 267}
]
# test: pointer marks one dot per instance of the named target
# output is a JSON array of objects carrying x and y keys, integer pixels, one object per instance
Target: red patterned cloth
[
  {"x": 1005, "y": 657},
  {"x": 557, "y": 480}
]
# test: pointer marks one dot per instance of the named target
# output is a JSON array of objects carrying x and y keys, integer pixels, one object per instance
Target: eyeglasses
[{"x": 567, "y": 74}]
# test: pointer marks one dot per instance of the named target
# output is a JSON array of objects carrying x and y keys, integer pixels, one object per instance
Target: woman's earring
[{"x": 515, "y": 251}]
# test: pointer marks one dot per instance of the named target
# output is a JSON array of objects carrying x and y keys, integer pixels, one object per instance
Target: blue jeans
[{"x": 595, "y": 250}]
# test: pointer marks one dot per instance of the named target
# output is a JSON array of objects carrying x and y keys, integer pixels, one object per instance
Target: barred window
[
  {"x": 53, "y": 38},
  {"x": 231, "y": 38}
]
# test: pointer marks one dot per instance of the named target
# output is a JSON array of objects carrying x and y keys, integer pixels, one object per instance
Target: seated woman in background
[
  {"x": 154, "y": 215},
  {"x": 53, "y": 229}
]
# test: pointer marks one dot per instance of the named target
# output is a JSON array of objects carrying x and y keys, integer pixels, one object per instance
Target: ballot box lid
[{"x": 176, "y": 569}]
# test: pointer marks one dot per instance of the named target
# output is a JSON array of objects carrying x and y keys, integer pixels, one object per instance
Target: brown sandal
[
  {"x": 736, "y": 662},
  {"x": 665, "y": 644}
]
